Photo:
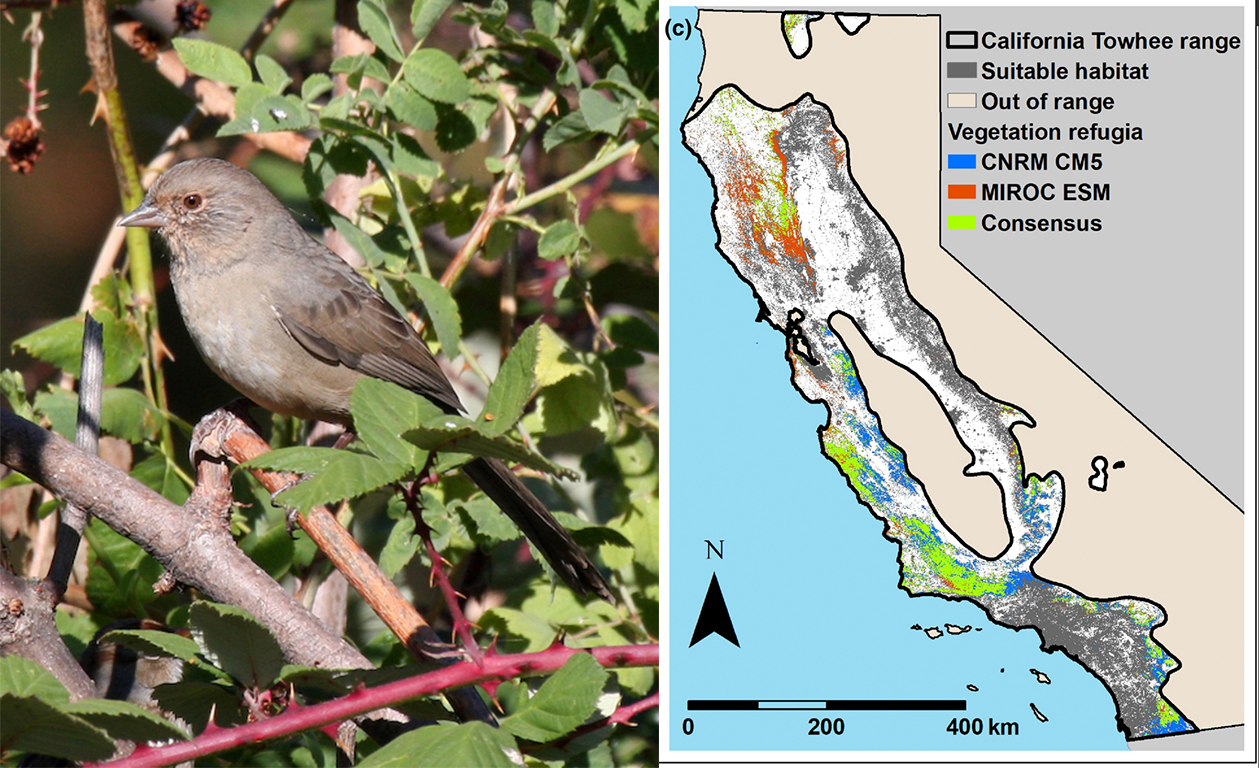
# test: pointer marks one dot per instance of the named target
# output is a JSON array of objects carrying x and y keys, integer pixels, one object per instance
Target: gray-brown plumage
[{"x": 290, "y": 325}]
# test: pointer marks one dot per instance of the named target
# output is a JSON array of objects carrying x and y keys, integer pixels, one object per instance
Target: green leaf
[
  {"x": 424, "y": 16},
  {"x": 193, "y": 700},
  {"x": 154, "y": 642},
  {"x": 400, "y": 547},
  {"x": 273, "y": 551},
  {"x": 213, "y": 61},
  {"x": 62, "y": 345},
  {"x": 120, "y": 575},
  {"x": 559, "y": 240},
  {"x": 545, "y": 19},
  {"x": 358, "y": 240},
  {"x": 13, "y": 387},
  {"x": 442, "y": 744},
  {"x": 436, "y": 75},
  {"x": 159, "y": 473},
  {"x": 33, "y": 725},
  {"x": 601, "y": 114},
  {"x": 20, "y": 676},
  {"x": 272, "y": 74},
  {"x": 556, "y": 361},
  {"x": 375, "y": 21},
  {"x": 632, "y": 331},
  {"x": 534, "y": 629},
  {"x": 513, "y": 386},
  {"x": 456, "y": 434},
  {"x": 563, "y": 702},
  {"x": 455, "y": 130},
  {"x": 410, "y": 108},
  {"x": 570, "y": 127},
  {"x": 635, "y": 13},
  {"x": 411, "y": 158},
  {"x": 485, "y": 522},
  {"x": 128, "y": 414},
  {"x": 315, "y": 86},
  {"x": 382, "y": 411},
  {"x": 337, "y": 474},
  {"x": 577, "y": 402},
  {"x": 443, "y": 311},
  {"x": 235, "y": 642},
  {"x": 124, "y": 720}
]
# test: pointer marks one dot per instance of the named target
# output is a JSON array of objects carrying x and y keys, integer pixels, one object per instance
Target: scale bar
[{"x": 885, "y": 705}]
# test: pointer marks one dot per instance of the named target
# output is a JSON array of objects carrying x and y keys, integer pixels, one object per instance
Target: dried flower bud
[
  {"x": 145, "y": 41},
  {"x": 22, "y": 144},
  {"x": 191, "y": 15}
]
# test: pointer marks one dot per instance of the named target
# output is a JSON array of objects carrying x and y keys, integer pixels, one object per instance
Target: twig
[
  {"x": 87, "y": 438},
  {"x": 494, "y": 668},
  {"x": 35, "y": 35}
]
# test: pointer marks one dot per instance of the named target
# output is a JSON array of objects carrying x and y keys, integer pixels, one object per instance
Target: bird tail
[{"x": 532, "y": 517}]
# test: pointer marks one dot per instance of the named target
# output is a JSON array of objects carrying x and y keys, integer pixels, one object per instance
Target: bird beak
[{"x": 147, "y": 215}]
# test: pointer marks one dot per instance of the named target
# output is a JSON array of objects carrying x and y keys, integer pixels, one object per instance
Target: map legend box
[
  {"x": 958, "y": 69},
  {"x": 961, "y": 222},
  {"x": 961, "y": 191},
  {"x": 962, "y": 101},
  {"x": 961, "y": 39},
  {"x": 961, "y": 162}
]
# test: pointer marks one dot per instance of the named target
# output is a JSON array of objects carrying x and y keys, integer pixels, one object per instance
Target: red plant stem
[{"x": 364, "y": 700}]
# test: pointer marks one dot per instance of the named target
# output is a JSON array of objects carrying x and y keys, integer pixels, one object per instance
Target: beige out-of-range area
[{"x": 1160, "y": 531}]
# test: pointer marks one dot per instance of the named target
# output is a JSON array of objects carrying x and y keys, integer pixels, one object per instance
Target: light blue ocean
[{"x": 810, "y": 582}]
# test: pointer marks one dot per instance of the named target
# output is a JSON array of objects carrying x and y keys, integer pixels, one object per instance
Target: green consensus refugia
[{"x": 993, "y": 223}]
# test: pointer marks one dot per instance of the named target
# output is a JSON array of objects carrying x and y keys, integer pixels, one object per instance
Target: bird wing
[{"x": 347, "y": 322}]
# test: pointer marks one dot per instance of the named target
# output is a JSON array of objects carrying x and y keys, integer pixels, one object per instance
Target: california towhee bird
[{"x": 290, "y": 325}]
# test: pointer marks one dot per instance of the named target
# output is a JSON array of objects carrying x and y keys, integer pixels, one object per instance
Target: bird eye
[{"x": 192, "y": 202}]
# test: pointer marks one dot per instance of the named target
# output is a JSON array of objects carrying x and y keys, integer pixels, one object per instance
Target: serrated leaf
[
  {"x": 486, "y": 523},
  {"x": 410, "y": 108},
  {"x": 456, "y": 434},
  {"x": 442, "y": 310},
  {"x": 61, "y": 344},
  {"x": 20, "y": 676},
  {"x": 436, "y": 75},
  {"x": 193, "y": 700},
  {"x": 634, "y": 13},
  {"x": 346, "y": 476},
  {"x": 315, "y": 86},
  {"x": 601, "y": 114},
  {"x": 236, "y": 642},
  {"x": 559, "y": 240},
  {"x": 273, "y": 551},
  {"x": 570, "y": 127},
  {"x": 153, "y": 642},
  {"x": 33, "y": 725},
  {"x": 577, "y": 402},
  {"x": 442, "y": 744},
  {"x": 400, "y": 547},
  {"x": 534, "y": 629},
  {"x": 375, "y": 21},
  {"x": 358, "y": 240},
  {"x": 556, "y": 361},
  {"x": 271, "y": 73},
  {"x": 128, "y": 414},
  {"x": 382, "y": 411},
  {"x": 455, "y": 131},
  {"x": 411, "y": 159},
  {"x": 563, "y": 702},
  {"x": 124, "y": 720},
  {"x": 213, "y": 61},
  {"x": 513, "y": 386}
]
